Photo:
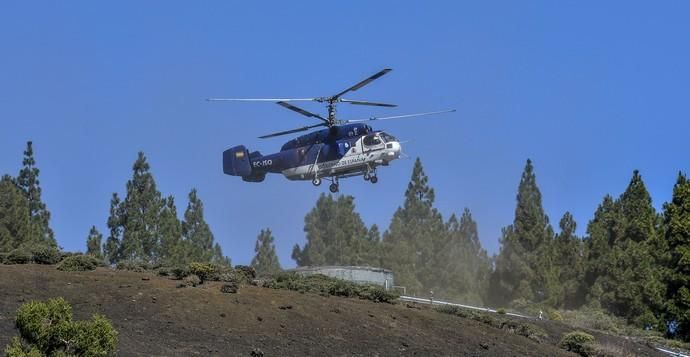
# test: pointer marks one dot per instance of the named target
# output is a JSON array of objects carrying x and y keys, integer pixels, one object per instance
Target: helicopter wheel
[
  {"x": 373, "y": 179},
  {"x": 333, "y": 187},
  {"x": 367, "y": 177},
  {"x": 316, "y": 181}
]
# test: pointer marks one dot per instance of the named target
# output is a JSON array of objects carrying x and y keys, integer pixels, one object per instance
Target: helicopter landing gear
[
  {"x": 335, "y": 186},
  {"x": 316, "y": 181},
  {"x": 370, "y": 176}
]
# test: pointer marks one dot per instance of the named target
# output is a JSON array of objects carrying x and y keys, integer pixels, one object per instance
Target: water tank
[{"x": 355, "y": 274}]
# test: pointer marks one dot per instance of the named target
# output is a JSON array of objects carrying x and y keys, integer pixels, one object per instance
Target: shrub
[
  {"x": 79, "y": 263},
  {"x": 578, "y": 342},
  {"x": 94, "y": 338},
  {"x": 203, "y": 270},
  {"x": 192, "y": 280},
  {"x": 530, "y": 331},
  {"x": 17, "y": 349},
  {"x": 64, "y": 255},
  {"x": 209, "y": 271},
  {"x": 376, "y": 294},
  {"x": 501, "y": 311},
  {"x": 44, "y": 324},
  {"x": 229, "y": 277},
  {"x": 594, "y": 319},
  {"x": 323, "y": 285},
  {"x": 133, "y": 265},
  {"x": 555, "y": 316},
  {"x": 229, "y": 288},
  {"x": 18, "y": 256},
  {"x": 165, "y": 271},
  {"x": 49, "y": 329},
  {"x": 448, "y": 309},
  {"x": 501, "y": 322},
  {"x": 180, "y": 272},
  {"x": 46, "y": 255},
  {"x": 247, "y": 273},
  {"x": 3, "y": 257}
]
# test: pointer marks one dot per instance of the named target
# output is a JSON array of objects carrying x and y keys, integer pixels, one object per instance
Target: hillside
[{"x": 155, "y": 318}]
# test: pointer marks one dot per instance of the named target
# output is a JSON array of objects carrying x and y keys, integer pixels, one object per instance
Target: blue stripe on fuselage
[{"x": 304, "y": 155}]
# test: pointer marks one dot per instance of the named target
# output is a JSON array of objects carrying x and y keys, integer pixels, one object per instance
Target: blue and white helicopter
[{"x": 346, "y": 148}]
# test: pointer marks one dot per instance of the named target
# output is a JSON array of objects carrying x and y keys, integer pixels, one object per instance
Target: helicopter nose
[{"x": 394, "y": 150}]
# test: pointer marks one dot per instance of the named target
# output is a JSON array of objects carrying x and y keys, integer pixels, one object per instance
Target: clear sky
[{"x": 588, "y": 90}]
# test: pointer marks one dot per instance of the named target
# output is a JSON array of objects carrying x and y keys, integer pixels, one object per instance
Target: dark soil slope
[{"x": 155, "y": 318}]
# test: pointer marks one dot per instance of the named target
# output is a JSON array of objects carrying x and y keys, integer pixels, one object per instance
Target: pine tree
[
  {"x": 141, "y": 218},
  {"x": 172, "y": 249},
  {"x": 93, "y": 243},
  {"x": 568, "y": 249},
  {"x": 39, "y": 228},
  {"x": 414, "y": 239},
  {"x": 603, "y": 230},
  {"x": 112, "y": 246},
  {"x": 677, "y": 236},
  {"x": 265, "y": 261},
  {"x": 640, "y": 294},
  {"x": 336, "y": 234},
  {"x": 370, "y": 251},
  {"x": 524, "y": 267},
  {"x": 14, "y": 217},
  {"x": 196, "y": 231},
  {"x": 622, "y": 269},
  {"x": 218, "y": 257}
]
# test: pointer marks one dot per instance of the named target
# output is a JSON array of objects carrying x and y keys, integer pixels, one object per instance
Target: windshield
[
  {"x": 371, "y": 140},
  {"x": 388, "y": 138}
]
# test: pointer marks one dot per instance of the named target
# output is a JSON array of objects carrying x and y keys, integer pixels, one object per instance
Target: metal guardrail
[
  {"x": 430, "y": 301},
  {"x": 671, "y": 353},
  {"x": 440, "y": 302}
]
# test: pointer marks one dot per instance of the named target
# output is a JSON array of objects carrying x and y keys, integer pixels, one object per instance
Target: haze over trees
[
  {"x": 265, "y": 260},
  {"x": 633, "y": 262}
]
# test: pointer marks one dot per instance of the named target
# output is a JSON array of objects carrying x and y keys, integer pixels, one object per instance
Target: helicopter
[{"x": 345, "y": 148}]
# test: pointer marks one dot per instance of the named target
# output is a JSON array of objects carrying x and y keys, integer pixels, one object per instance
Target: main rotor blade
[
  {"x": 363, "y": 102},
  {"x": 364, "y": 82},
  {"x": 301, "y": 111},
  {"x": 397, "y": 116},
  {"x": 290, "y": 131},
  {"x": 260, "y": 99}
]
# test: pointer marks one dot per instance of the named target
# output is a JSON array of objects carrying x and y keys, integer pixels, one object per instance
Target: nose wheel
[
  {"x": 370, "y": 175},
  {"x": 316, "y": 181},
  {"x": 334, "y": 187}
]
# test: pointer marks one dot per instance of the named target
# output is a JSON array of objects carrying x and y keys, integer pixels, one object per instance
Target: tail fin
[{"x": 237, "y": 161}]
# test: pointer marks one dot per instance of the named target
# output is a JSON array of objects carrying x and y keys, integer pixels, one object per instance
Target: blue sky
[{"x": 589, "y": 91}]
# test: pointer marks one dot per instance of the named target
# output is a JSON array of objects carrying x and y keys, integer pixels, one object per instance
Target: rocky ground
[{"x": 154, "y": 318}]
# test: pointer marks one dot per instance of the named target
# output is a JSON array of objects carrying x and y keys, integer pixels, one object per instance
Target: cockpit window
[
  {"x": 371, "y": 140},
  {"x": 388, "y": 138}
]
